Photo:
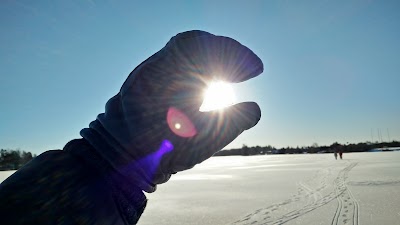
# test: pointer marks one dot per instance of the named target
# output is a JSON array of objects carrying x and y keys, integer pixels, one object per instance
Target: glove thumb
[{"x": 223, "y": 126}]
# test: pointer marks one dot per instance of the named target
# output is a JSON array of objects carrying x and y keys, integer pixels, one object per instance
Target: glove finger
[{"x": 214, "y": 57}]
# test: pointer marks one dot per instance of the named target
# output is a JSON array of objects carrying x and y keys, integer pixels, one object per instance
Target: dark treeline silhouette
[
  {"x": 315, "y": 148},
  {"x": 14, "y": 159}
]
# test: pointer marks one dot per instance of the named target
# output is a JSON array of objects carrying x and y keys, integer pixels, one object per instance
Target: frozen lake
[{"x": 363, "y": 188}]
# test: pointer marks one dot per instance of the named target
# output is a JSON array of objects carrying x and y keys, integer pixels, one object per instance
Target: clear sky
[{"x": 332, "y": 68}]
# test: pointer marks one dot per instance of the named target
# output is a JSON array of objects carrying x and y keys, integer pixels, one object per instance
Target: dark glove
[{"x": 140, "y": 122}]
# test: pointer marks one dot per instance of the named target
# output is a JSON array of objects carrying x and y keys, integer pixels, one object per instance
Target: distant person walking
[{"x": 337, "y": 149}]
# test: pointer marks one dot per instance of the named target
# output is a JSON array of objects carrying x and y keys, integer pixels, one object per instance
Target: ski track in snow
[
  {"x": 312, "y": 194},
  {"x": 347, "y": 211}
]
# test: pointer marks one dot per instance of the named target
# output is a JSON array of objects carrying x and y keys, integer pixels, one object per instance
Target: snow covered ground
[
  {"x": 5, "y": 174},
  {"x": 363, "y": 188}
]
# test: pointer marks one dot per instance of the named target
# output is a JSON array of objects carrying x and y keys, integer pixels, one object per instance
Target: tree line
[
  {"x": 314, "y": 148},
  {"x": 14, "y": 159}
]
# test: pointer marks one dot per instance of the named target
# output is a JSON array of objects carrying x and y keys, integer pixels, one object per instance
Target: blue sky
[{"x": 331, "y": 67}]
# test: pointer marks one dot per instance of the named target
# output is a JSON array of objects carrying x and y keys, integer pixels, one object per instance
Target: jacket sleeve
[{"x": 60, "y": 187}]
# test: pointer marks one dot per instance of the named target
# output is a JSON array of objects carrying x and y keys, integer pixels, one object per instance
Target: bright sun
[{"x": 218, "y": 95}]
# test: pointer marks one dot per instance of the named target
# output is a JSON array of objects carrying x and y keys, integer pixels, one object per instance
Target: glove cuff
[{"x": 120, "y": 161}]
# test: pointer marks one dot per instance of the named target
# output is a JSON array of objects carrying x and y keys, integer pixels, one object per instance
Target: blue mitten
[{"x": 153, "y": 127}]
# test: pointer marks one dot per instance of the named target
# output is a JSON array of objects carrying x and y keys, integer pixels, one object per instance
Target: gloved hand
[{"x": 154, "y": 126}]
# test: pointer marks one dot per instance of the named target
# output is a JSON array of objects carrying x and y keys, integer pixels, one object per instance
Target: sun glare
[{"x": 218, "y": 95}]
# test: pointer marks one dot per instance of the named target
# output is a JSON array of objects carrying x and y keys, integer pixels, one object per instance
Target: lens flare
[
  {"x": 179, "y": 123},
  {"x": 218, "y": 95},
  {"x": 149, "y": 163}
]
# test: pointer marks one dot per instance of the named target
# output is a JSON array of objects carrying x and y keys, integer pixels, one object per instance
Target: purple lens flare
[{"x": 151, "y": 162}]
